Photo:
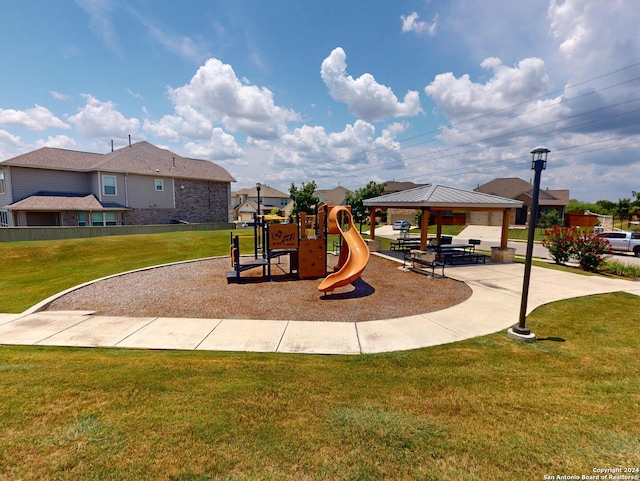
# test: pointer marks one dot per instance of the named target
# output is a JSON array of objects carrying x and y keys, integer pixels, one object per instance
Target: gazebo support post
[
  {"x": 504, "y": 253},
  {"x": 424, "y": 228},
  {"x": 504, "y": 239},
  {"x": 372, "y": 224},
  {"x": 439, "y": 227}
]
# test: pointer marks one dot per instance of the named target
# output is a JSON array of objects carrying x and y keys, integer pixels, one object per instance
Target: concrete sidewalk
[{"x": 494, "y": 306}]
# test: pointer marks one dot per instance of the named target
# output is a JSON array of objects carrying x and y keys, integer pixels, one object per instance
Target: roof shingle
[{"x": 141, "y": 158}]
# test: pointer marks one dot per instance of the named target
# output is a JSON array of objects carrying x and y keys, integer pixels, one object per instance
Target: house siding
[
  {"x": 142, "y": 193},
  {"x": 95, "y": 185},
  {"x": 7, "y": 197},
  {"x": 121, "y": 190},
  {"x": 26, "y": 182}
]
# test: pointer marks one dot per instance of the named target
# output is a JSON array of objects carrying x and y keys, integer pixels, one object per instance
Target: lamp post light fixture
[
  {"x": 257, "y": 222},
  {"x": 520, "y": 331},
  {"x": 258, "y": 186}
]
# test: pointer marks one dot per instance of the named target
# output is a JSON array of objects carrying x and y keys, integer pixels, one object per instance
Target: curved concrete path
[{"x": 494, "y": 306}]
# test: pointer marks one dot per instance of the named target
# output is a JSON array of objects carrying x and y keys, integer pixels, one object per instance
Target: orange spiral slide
[{"x": 354, "y": 254}]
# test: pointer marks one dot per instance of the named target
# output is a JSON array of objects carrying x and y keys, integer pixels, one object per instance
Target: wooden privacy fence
[{"x": 16, "y": 234}]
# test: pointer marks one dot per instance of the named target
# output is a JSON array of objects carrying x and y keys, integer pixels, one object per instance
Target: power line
[{"x": 513, "y": 106}]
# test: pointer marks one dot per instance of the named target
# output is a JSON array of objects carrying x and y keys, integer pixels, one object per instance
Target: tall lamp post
[
  {"x": 520, "y": 331},
  {"x": 257, "y": 221}
]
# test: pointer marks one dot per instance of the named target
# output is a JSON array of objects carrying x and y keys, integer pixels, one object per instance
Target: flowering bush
[
  {"x": 590, "y": 251},
  {"x": 560, "y": 242},
  {"x": 565, "y": 243}
]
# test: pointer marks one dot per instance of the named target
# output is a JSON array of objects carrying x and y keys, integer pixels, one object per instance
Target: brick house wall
[
  {"x": 196, "y": 201},
  {"x": 69, "y": 219}
]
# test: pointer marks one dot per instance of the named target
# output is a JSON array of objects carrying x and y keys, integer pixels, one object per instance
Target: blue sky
[{"x": 455, "y": 92}]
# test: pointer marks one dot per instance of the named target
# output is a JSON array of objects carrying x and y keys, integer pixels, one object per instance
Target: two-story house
[
  {"x": 245, "y": 202},
  {"x": 138, "y": 184}
]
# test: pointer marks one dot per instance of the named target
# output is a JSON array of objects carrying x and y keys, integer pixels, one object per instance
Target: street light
[
  {"x": 520, "y": 331},
  {"x": 258, "y": 186},
  {"x": 257, "y": 223}
]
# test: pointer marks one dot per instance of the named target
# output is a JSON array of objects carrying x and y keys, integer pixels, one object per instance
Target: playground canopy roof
[{"x": 442, "y": 197}]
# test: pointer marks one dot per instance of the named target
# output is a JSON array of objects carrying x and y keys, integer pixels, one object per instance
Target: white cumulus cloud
[
  {"x": 58, "y": 142},
  {"x": 218, "y": 146},
  {"x": 461, "y": 98},
  {"x": 216, "y": 95},
  {"x": 363, "y": 96},
  {"x": 37, "y": 118},
  {"x": 102, "y": 120}
]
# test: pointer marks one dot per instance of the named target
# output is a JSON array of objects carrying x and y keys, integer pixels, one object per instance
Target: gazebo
[{"x": 433, "y": 199}]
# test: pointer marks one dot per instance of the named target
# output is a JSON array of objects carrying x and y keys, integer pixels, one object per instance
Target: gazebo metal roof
[{"x": 442, "y": 197}]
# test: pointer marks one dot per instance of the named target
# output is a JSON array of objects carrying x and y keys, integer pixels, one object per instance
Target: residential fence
[{"x": 16, "y": 234}]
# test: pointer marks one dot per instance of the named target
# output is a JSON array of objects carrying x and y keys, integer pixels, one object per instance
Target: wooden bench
[{"x": 424, "y": 259}]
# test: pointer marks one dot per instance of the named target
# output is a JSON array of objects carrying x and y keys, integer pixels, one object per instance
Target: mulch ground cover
[{"x": 200, "y": 289}]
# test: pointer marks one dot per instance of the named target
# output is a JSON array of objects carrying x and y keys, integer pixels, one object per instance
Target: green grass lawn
[
  {"x": 33, "y": 271},
  {"x": 486, "y": 408}
]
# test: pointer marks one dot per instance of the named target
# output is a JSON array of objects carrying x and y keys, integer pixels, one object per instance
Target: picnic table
[
  {"x": 459, "y": 254},
  {"x": 405, "y": 241},
  {"x": 405, "y": 244}
]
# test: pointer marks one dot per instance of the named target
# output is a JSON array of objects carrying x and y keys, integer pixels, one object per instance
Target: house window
[
  {"x": 99, "y": 219},
  {"x": 4, "y": 218},
  {"x": 2, "y": 187},
  {"x": 109, "y": 185},
  {"x": 159, "y": 185},
  {"x": 82, "y": 219}
]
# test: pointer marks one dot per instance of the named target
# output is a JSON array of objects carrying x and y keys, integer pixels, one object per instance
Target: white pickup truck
[{"x": 621, "y": 241}]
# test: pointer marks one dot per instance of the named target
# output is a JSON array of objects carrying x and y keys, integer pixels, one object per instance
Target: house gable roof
[
  {"x": 335, "y": 196},
  {"x": 510, "y": 187},
  {"x": 515, "y": 188},
  {"x": 442, "y": 197},
  {"x": 392, "y": 186},
  {"x": 265, "y": 191},
  {"x": 141, "y": 158}
]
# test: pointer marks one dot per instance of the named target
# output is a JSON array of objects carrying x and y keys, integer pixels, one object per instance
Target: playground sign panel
[{"x": 283, "y": 236}]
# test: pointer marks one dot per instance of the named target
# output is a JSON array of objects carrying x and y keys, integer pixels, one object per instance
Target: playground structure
[{"x": 305, "y": 243}]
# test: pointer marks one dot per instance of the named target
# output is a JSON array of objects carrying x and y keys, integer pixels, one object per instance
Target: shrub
[
  {"x": 588, "y": 249},
  {"x": 560, "y": 242}
]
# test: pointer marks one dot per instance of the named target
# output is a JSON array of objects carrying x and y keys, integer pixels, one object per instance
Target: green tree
[
  {"x": 607, "y": 207},
  {"x": 304, "y": 199},
  {"x": 579, "y": 206},
  {"x": 622, "y": 210},
  {"x": 356, "y": 200},
  {"x": 549, "y": 218}
]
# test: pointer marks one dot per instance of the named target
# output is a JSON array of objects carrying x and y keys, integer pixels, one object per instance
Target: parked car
[
  {"x": 621, "y": 241},
  {"x": 401, "y": 225}
]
